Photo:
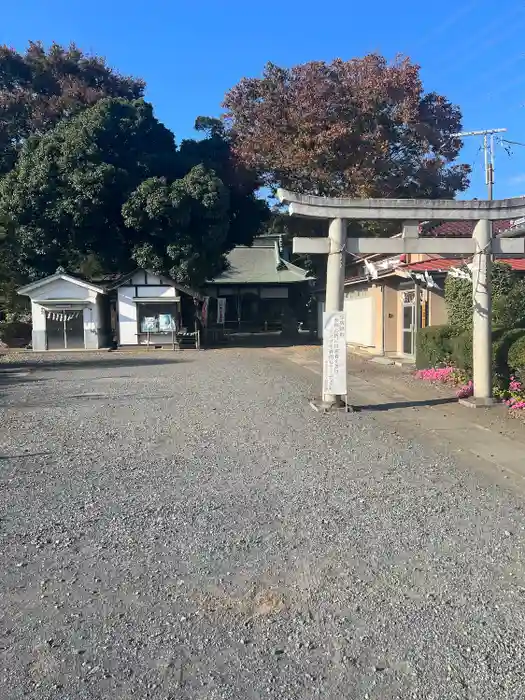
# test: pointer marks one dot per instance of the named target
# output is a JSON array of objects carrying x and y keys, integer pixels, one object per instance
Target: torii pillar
[{"x": 412, "y": 211}]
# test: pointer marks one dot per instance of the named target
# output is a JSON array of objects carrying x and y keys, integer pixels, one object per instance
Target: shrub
[
  {"x": 15, "y": 333},
  {"x": 458, "y": 300},
  {"x": 433, "y": 346},
  {"x": 507, "y": 295},
  {"x": 461, "y": 350},
  {"x": 509, "y": 309},
  {"x": 500, "y": 350},
  {"x": 516, "y": 354}
]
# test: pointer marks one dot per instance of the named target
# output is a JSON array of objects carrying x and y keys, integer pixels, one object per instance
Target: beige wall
[
  {"x": 388, "y": 311},
  {"x": 391, "y": 317},
  {"x": 437, "y": 311},
  {"x": 377, "y": 293}
]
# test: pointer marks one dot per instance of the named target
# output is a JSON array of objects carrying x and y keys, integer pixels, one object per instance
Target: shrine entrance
[
  {"x": 65, "y": 330},
  {"x": 481, "y": 247}
]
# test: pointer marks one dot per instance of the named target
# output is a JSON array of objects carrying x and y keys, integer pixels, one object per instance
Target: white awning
[
  {"x": 155, "y": 300},
  {"x": 65, "y": 304}
]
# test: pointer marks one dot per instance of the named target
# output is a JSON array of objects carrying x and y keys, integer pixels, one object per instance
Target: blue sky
[{"x": 190, "y": 53}]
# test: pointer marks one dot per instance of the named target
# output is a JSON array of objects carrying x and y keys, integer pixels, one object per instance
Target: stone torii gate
[{"x": 411, "y": 212}]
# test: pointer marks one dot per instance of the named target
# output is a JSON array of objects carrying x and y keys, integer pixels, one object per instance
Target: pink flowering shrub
[
  {"x": 435, "y": 374},
  {"x": 465, "y": 391},
  {"x": 513, "y": 396},
  {"x": 443, "y": 375}
]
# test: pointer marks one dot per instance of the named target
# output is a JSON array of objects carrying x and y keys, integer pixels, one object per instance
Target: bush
[
  {"x": 458, "y": 300},
  {"x": 461, "y": 351},
  {"x": 507, "y": 296},
  {"x": 15, "y": 334},
  {"x": 509, "y": 309},
  {"x": 433, "y": 346},
  {"x": 516, "y": 355},
  {"x": 501, "y": 348}
]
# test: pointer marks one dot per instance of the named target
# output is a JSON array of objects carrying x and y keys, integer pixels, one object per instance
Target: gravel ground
[{"x": 187, "y": 527}]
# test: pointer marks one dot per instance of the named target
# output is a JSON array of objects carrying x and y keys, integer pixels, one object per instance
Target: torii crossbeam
[{"x": 481, "y": 247}]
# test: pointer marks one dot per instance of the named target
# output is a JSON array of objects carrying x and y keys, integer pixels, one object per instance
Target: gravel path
[{"x": 187, "y": 527}]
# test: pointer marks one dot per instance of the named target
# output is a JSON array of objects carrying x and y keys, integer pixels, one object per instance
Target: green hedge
[
  {"x": 516, "y": 356},
  {"x": 461, "y": 350},
  {"x": 501, "y": 350},
  {"x": 439, "y": 344},
  {"x": 433, "y": 346}
]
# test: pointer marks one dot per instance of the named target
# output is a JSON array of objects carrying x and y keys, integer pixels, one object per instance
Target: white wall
[
  {"x": 144, "y": 285},
  {"x": 360, "y": 319},
  {"x": 146, "y": 278},
  {"x": 63, "y": 289},
  {"x": 127, "y": 316},
  {"x": 92, "y": 339},
  {"x": 38, "y": 317},
  {"x": 166, "y": 291}
]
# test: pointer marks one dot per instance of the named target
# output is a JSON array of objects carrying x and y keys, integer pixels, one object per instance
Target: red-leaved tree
[{"x": 362, "y": 128}]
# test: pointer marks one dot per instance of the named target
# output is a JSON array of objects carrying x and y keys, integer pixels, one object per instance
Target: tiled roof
[
  {"x": 445, "y": 264},
  {"x": 459, "y": 229},
  {"x": 259, "y": 264}
]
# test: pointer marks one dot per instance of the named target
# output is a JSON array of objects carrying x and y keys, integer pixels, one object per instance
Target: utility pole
[{"x": 488, "y": 150}]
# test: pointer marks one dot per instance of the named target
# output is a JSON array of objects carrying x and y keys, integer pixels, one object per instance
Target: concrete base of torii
[
  {"x": 478, "y": 402},
  {"x": 330, "y": 406},
  {"x": 481, "y": 247}
]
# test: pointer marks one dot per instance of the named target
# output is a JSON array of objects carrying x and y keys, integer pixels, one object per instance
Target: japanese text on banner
[{"x": 334, "y": 353}]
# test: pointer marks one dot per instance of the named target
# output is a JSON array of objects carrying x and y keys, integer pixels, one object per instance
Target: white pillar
[
  {"x": 335, "y": 276},
  {"x": 482, "y": 309}
]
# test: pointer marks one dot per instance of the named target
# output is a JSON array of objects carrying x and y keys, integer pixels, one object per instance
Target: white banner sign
[
  {"x": 221, "y": 310},
  {"x": 204, "y": 311},
  {"x": 334, "y": 353}
]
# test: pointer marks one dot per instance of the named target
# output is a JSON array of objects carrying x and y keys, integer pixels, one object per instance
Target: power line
[
  {"x": 488, "y": 150},
  {"x": 514, "y": 143}
]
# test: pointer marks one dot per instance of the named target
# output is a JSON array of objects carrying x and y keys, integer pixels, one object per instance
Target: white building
[
  {"x": 68, "y": 313},
  {"x": 152, "y": 309}
]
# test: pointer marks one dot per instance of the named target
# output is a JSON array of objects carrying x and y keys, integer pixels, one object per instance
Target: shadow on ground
[
  {"x": 390, "y": 406},
  {"x": 264, "y": 340},
  {"x": 15, "y": 371},
  {"x": 30, "y": 370},
  {"x": 26, "y": 455}
]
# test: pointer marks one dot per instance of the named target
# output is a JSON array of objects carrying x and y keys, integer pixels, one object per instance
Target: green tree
[
  {"x": 184, "y": 225},
  {"x": 247, "y": 211},
  {"x": 40, "y": 87},
  {"x": 109, "y": 188},
  {"x": 66, "y": 192}
]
